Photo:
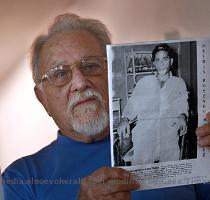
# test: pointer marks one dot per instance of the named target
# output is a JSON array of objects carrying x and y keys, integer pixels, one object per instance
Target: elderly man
[{"x": 70, "y": 73}]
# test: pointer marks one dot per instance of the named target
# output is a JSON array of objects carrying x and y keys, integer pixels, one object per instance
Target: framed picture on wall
[
  {"x": 129, "y": 63},
  {"x": 139, "y": 62}
]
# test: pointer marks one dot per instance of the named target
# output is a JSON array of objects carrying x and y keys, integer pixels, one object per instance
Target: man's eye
[
  {"x": 90, "y": 67},
  {"x": 60, "y": 74}
]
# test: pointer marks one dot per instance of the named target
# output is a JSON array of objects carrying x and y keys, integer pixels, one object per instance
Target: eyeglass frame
[{"x": 71, "y": 66}]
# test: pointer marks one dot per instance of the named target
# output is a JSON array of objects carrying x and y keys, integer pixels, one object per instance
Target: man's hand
[
  {"x": 203, "y": 133},
  {"x": 108, "y": 184},
  {"x": 182, "y": 124},
  {"x": 123, "y": 129}
]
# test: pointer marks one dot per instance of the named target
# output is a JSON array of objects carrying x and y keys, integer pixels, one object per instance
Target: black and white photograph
[
  {"x": 158, "y": 97},
  {"x": 154, "y": 89}
]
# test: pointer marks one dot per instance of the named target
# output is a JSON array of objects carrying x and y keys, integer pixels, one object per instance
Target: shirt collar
[{"x": 62, "y": 139}]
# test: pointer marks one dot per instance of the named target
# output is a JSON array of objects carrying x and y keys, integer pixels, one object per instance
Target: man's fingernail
[
  {"x": 126, "y": 175},
  {"x": 137, "y": 184},
  {"x": 197, "y": 131},
  {"x": 199, "y": 142}
]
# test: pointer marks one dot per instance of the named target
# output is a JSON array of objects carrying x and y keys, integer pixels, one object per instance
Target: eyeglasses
[{"x": 62, "y": 74}]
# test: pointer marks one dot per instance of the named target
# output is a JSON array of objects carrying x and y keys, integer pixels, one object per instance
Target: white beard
[{"x": 97, "y": 116}]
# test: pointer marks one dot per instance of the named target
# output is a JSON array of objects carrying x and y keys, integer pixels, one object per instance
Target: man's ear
[
  {"x": 154, "y": 64},
  {"x": 40, "y": 95},
  {"x": 171, "y": 62}
]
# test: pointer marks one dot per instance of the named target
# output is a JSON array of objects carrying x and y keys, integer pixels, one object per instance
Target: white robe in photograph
[{"x": 155, "y": 136}]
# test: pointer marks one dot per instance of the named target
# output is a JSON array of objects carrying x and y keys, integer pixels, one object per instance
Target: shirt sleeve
[
  {"x": 181, "y": 101},
  {"x": 1, "y": 189},
  {"x": 16, "y": 186},
  {"x": 203, "y": 191},
  {"x": 131, "y": 108}
]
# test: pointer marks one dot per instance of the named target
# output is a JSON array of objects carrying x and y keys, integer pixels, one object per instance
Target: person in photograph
[
  {"x": 70, "y": 74},
  {"x": 159, "y": 103}
]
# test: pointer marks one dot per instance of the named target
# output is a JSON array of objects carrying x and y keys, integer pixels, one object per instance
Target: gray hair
[{"x": 66, "y": 23}]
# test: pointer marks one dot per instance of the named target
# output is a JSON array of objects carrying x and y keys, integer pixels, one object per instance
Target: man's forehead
[
  {"x": 62, "y": 45},
  {"x": 68, "y": 39},
  {"x": 69, "y": 45},
  {"x": 162, "y": 53}
]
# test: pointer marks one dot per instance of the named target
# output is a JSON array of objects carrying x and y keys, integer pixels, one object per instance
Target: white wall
[{"x": 24, "y": 125}]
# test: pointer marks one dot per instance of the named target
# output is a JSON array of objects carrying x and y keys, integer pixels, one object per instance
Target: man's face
[
  {"x": 162, "y": 62},
  {"x": 82, "y": 104}
]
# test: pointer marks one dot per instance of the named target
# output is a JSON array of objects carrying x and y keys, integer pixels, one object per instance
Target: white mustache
[{"x": 82, "y": 96}]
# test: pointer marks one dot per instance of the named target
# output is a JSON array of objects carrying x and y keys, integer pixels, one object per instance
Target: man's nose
[
  {"x": 161, "y": 62},
  {"x": 79, "y": 82}
]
